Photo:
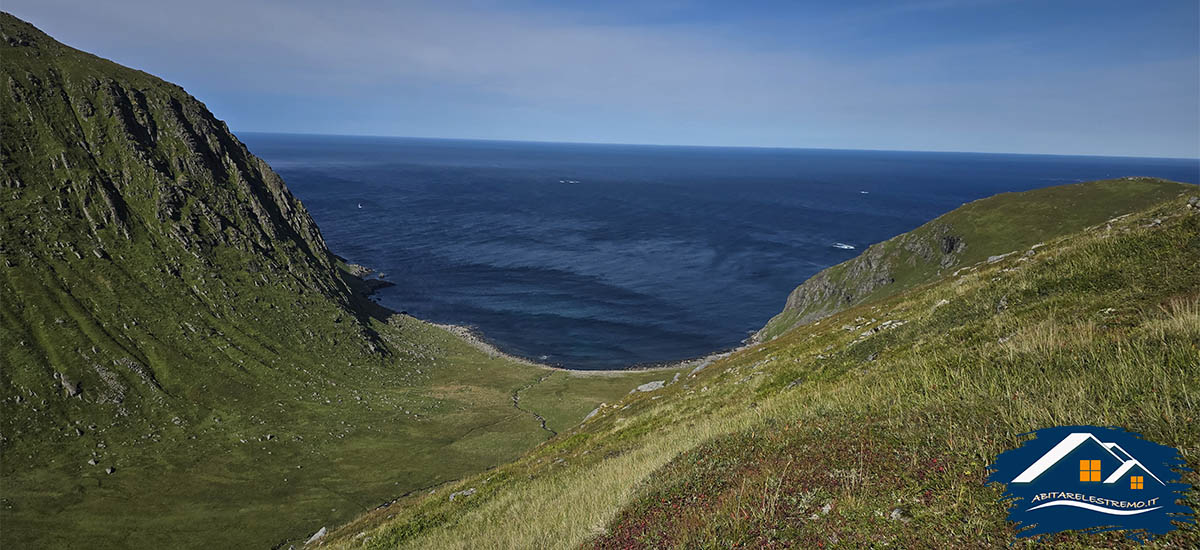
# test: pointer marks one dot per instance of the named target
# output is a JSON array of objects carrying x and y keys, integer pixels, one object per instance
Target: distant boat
[
  {"x": 360, "y": 205},
  {"x": 864, "y": 192},
  {"x": 843, "y": 246}
]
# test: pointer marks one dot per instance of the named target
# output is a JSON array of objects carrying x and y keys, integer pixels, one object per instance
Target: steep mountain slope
[
  {"x": 971, "y": 233},
  {"x": 183, "y": 363},
  {"x": 126, "y": 199},
  {"x": 871, "y": 428}
]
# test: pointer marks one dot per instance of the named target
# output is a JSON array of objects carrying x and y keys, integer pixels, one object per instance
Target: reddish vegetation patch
[
  {"x": 849, "y": 484},
  {"x": 770, "y": 489}
]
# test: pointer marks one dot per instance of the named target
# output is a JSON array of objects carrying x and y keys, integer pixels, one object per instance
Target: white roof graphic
[{"x": 1070, "y": 443}]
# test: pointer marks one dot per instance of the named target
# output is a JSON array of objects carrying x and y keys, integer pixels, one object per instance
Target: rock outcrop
[{"x": 984, "y": 230}]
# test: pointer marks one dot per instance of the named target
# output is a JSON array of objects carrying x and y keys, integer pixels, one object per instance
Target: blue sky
[{"x": 1088, "y": 77}]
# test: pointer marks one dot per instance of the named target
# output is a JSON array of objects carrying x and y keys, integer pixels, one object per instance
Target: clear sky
[{"x": 1086, "y": 77}]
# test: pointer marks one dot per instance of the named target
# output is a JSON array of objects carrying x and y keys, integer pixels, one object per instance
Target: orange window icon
[
  {"x": 1089, "y": 470},
  {"x": 1135, "y": 482}
]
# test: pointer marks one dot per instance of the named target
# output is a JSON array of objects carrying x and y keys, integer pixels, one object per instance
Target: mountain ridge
[{"x": 974, "y": 232}]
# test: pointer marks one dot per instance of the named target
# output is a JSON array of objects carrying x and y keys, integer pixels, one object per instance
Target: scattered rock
[
  {"x": 359, "y": 270},
  {"x": 892, "y": 323},
  {"x": 899, "y": 514},
  {"x": 92, "y": 462},
  {"x": 994, "y": 259},
  {"x": 594, "y": 412},
  {"x": 109, "y": 470},
  {"x": 464, "y": 493}
]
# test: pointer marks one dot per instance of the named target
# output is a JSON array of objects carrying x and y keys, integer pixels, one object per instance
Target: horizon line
[{"x": 785, "y": 147}]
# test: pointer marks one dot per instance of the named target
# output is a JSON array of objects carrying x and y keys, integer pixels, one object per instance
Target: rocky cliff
[
  {"x": 98, "y": 158},
  {"x": 973, "y": 233}
]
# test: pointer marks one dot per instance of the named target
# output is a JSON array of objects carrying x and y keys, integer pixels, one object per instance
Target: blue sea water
[{"x": 605, "y": 256}]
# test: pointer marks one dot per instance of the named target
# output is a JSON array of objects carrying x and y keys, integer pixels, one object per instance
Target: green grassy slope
[
  {"x": 971, "y": 233},
  {"x": 871, "y": 428},
  {"x": 169, "y": 310}
]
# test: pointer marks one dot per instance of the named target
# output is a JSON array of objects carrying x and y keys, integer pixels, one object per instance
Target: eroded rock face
[
  {"x": 118, "y": 155},
  {"x": 855, "y": 280}
]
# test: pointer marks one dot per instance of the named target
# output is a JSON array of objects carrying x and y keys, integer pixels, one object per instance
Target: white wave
[
  {"x": 843, "y": 246},
  {"x": 1093, "y": 508}
]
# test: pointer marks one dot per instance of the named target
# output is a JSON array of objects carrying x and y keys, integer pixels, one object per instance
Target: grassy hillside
[
  {"x": 183, "y": 363},
  {"x": 873, "y": 427},
  {"x": 972, "y": 233}
]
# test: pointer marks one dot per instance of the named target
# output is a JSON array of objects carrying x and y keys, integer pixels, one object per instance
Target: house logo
[{"x": 1092, "y": 479}]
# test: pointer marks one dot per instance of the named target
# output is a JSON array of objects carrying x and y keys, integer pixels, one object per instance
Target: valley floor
[{"x": 271, "y": 464}]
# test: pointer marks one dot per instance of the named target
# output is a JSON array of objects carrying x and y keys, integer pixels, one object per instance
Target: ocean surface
[{"x": 607, "y": 256}]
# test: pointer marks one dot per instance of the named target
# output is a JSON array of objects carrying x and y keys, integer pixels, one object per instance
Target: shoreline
[{"x": 477, "y": 340}]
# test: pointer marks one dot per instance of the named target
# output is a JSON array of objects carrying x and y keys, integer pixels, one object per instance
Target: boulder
[
  {"x": 649, "y": 386},
  {"x": 69, "y": 386},
  {"x": 320, "y": 534}
]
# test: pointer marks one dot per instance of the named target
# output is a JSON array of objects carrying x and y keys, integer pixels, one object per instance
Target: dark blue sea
[{"x": 606, "y": 256}]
